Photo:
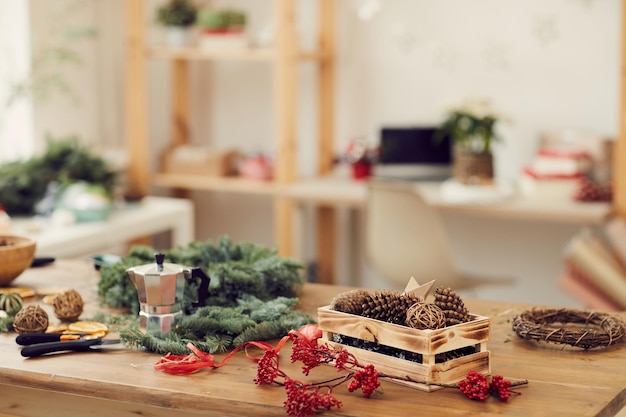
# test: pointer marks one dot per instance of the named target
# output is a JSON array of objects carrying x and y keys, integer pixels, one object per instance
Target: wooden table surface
[{"x": 121, "y": 382}]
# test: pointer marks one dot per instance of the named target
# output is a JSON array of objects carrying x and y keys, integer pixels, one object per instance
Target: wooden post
[
  {"x": 619, "y": 150},
  {"x": 180, "y": 103},
  {"x": 326, "y": 217},
  {"x": 136, "y": 131},
  {"x": 285, "y": 94}
]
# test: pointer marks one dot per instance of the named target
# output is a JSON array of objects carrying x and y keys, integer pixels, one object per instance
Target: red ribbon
[{"x": 197, "y": 360}]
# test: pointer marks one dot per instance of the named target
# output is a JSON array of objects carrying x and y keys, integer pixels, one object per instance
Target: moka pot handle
[{"x": 203, "y": 288}]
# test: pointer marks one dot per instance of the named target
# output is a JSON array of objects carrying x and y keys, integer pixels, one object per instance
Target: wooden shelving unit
[
  {"x": 284, "y": 56},
  {"x": 619, "y": 151}
]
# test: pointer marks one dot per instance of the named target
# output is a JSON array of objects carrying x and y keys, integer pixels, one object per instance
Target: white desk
[
  {"x": 344, "y": 192},
  {"x": 150, "y": 216},
  {"x": 334, "y": 191}
]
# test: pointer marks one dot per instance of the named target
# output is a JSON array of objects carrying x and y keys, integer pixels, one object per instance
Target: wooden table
[{"x": 122, "y": 382}]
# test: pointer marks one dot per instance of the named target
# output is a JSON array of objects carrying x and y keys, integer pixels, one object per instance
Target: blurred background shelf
[{"x": 204, "y": 183}]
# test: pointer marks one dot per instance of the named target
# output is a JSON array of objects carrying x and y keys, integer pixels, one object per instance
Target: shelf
[
  {"x": 193, "y": 53},
  {"x": 248, "y": 54},
  {"x": 283, "y": 57},
  {"x": 203, "y": 183}
]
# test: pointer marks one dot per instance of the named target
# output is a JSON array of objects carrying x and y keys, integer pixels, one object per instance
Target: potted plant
[
  {"x": 222, "y": 28},
  {"x": 471, "y": 129},
  {"x": 177, "y": 16},
  {"x": 28, "y": 185},
  {"x": 361, "y": 157}
]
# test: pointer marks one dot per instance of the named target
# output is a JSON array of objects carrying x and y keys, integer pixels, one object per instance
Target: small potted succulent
[
  {"x": 177, "y": 16},
  {"x": 471, "y": 129},
  {"x": 222, "y": 28}
]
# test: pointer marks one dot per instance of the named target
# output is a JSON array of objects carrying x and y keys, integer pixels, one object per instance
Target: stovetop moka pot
[{"x": 160, "y": 288}]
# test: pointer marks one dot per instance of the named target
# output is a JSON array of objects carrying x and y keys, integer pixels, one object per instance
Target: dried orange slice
[
  {"x": 99, "y": 334},
  {"x": 90, "y": 327},
  {"x": 50, "y": 291},
  {"x": 24, "y": 292},
  {"x": 49, "y": 299},
  {"x": 56, "y": 328}
]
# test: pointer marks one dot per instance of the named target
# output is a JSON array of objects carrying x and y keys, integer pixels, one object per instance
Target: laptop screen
[{"x": 414, "y": 153}]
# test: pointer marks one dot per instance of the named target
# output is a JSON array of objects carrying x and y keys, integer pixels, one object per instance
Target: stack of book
[
  {"x": 555, "y": 173},
  {"x": 595, "y": 266}
]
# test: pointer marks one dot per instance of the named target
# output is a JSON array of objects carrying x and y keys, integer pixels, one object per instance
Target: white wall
[
  {"x": 16, "y": 110},
  {"x": 546, "y": 64}
]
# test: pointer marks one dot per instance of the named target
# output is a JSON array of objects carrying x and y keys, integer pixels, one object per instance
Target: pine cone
[
  {"x": 350, "y": 301},
  {"x": 389, "y": 306},
  {"x": 452, "y": 305}
]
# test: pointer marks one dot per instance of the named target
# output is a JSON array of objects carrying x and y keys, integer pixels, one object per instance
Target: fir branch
[
  {"x": 235, "y": 271},
  {"x": 6, "y": 323},
  {"x": 215, "y": 344},
  {"x": 190, "y": 326},
  {"x": 273, "y": 329},
  {"x": 264, "y": 311}
]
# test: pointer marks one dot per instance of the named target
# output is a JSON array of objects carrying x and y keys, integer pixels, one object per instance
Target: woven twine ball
[
  {"x": 68, "y": 306},
  {"x": 31, "y": 319},
  {"x": 425, "y": 316}
]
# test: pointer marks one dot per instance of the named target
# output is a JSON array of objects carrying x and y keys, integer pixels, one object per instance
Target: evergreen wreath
[{"x": 252, "y": 294}]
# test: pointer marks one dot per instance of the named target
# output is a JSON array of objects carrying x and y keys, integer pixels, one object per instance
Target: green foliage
[
  {"x": 6, "y": 323},
  {"x": 469, "y": 131},
  {"x": 68, "y": 162},
  {"x": 236, "y": 271},
  {"x": 177, "y": 13},
  {"x": 251, "y": 296},
  {"x": 24, "y": 183},
  {"x": 217, "y": 329},
  {"x": 214, "y": 19},
  {"x": 471, "y": 125}
]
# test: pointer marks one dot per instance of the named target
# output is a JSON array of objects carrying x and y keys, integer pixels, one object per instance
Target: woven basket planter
[{"x": 472, "y": 168}]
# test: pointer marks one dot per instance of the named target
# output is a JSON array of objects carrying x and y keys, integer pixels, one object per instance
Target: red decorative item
[
  {"x": 590, "y": 191},
  {"x": 258, "y": 167},
  {"x": 361, "y": 170},
  {"x": 475, "y": 387},
  {"x": 361, "y": 158},
  {"x": 307, "y": 399}
]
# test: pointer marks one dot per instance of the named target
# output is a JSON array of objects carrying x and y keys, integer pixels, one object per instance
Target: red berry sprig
[
  {"x": 501, "y": 388},
  {"x": 307, "y": 399},
  {"x": 475, "y": 387},
  {"x": 366, "y": 379}
]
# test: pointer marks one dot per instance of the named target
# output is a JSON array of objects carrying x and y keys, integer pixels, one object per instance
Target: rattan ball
[
  {"x": 425, "y": 316},
  {"x": 31, "y": 319},
  {"x": 68, "y": 306}
]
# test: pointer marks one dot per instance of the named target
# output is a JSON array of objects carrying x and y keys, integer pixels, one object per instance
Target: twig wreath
[{"x": 578, "y": 328}]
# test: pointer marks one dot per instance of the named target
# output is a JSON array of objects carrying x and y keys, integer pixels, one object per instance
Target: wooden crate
[{"x": 428, "y": 343}]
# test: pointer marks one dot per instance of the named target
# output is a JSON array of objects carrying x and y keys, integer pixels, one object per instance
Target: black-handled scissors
[{"x": 37, "y": 344}]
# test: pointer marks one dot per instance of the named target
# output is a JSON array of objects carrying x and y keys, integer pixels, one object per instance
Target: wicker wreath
[{"x": 579, "y": 328}]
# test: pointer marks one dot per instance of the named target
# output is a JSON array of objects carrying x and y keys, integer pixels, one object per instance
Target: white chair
[{"x": 405, "y": 237}]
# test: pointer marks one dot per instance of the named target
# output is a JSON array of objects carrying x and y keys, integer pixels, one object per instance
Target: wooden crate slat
[{"x": 427, "y": 342}]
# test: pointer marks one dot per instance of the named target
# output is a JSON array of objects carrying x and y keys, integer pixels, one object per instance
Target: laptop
[{"x": 414, "y": 154}]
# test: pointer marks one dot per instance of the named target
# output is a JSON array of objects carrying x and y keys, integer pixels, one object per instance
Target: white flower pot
[{"x": 176, "y": 36}]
